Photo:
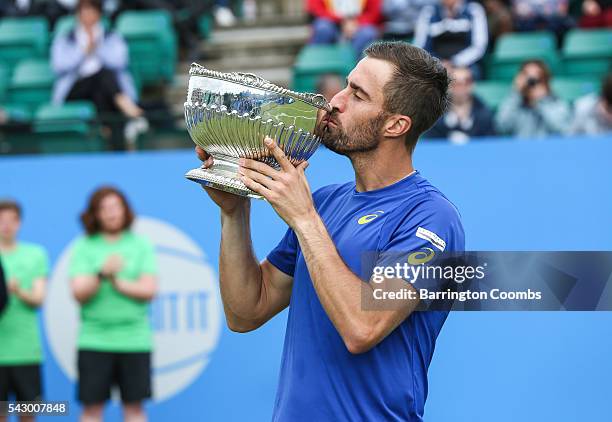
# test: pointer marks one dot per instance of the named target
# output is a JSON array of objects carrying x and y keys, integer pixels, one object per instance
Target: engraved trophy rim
[{"x": 254, "y": 81}]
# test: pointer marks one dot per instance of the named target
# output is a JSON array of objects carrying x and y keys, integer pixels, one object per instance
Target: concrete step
[
  {"x": 236, "y": 62},
  {"x": 256, "y": 41},
  {"x": 267, "y": 21}
]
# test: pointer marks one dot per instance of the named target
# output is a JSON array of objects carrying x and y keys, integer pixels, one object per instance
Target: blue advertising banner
[{"x": 552, "y": 195}]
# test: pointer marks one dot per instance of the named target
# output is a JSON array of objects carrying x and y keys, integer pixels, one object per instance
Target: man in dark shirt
[
  {"x": 455, "y": 31},
  {"x": 468, "y": 116}
]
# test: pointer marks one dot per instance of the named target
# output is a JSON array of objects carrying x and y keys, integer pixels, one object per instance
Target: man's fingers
[
  {"x": 255, "y": 187},
  {"x": 208, "y": 162},
  {"x": 259, "y": 167},
  {"x": 278, "y": 154},
  {"x": 262, "y": 179},
  {"x": 206, "y": 158},
  {"x": 302, "y": 166},
  {"x": 202, "y": 155}
]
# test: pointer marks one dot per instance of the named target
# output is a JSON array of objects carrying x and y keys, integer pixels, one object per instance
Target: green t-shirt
[
  {"x": 19, "y": 330},
  {"x": 111, "y": 321}
]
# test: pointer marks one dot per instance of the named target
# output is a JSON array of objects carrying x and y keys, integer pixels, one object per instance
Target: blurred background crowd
[{"x": 90, "y": 75}]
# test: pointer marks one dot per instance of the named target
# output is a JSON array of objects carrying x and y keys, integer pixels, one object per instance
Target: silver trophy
[{"x": 229, "y": 114}]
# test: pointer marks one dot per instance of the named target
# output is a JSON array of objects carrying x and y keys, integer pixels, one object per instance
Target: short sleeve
[
  {"x": 426, "y": 236},
  {"x": 284, "y": 255},
  {"x": 41, "y": 264},
  {"x": 149, "y": 260},
  {"x": 433, "y": 224},
  {"x": 81, "y": 262}
]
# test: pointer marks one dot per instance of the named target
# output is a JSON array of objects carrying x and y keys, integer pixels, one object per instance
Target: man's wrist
[
  {"x": 237, "y": 212},
  {"x": 311, "y": 222}
]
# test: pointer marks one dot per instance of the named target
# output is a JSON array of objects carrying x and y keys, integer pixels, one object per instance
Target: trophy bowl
[{"x": 229, "y": 114}]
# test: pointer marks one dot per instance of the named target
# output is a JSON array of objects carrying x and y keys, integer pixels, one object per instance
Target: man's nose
[{"x": 338, "y": 102}]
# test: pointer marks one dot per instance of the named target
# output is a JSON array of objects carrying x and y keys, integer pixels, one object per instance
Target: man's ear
[{"x": 397, "y": 125}]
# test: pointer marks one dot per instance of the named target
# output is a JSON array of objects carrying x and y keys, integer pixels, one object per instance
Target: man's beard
[{"x": 364, "y": 136}]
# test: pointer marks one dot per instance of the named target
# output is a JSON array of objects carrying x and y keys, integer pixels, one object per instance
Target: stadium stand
[
  {"x": 31, "y": 83},
  {"x": 23, "y": 38},
  {"x": 513, "y": 49},
  {"x": 587, "y": 52},
  {"x": 66, "y": 128},
  {"x": 274, "y": 46},
  {"x": 313, "y": 61},
  {"x": 152, "y": 44}
]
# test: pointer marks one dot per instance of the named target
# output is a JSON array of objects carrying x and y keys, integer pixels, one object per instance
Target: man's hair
[
  {"x": 9, "y": 204},
  {"x": 418, "y": 88},
  {"x": 606, "y": 89},
  {"x": 546, "y": 74},
  {"x": 96, "y": 4},
  {"x": 89, "y": 217}
]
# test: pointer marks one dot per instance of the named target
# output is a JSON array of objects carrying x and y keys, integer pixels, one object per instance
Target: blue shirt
[{"x": 319, "y": 379}]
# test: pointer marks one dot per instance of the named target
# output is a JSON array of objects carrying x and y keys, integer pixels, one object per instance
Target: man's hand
[
  {"x": 286, "y": 189},
  {"x": 91, "y": 40},
  {"x": 112, "y": 265},
  {"x": 228, "y": 202},
  {"x": 349, "y": 28},
  {"x": 520, "y": 82},
  {"x": 537, "y": 93}
]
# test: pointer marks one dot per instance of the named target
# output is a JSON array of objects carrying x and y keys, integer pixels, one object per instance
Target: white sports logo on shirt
[{"x": 431, "y": 237}]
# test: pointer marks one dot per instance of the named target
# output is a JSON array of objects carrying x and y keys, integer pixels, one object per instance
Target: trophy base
[{"x": 222, "y": 175}]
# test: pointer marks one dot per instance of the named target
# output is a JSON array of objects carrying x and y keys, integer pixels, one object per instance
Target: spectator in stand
[
  {"x": 25, "y": 267},
  {"x": 112, "y": 273},
  {"x": 499, "y": 18},
  {"x": 355, "y": 21},
  {"x": 454, "y": 31},
  {"x": 329, "y": 85},
  {"x": 593, "y": 113},
  {"x": 224, "y": 16},
  {"x": 17, "y": 8},
  {"x": 596, "y": 14},
  {"x": 91, "y": 64},
  {"x": 535, "y": 15},
  {"x": 185, "y": 17},
  {"x": 468, "y": 117},
  {"x": 532, "y": 110},
  {"x": 401, "y": 17}
]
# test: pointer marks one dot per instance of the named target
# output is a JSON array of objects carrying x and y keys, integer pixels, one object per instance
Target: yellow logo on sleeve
[
  {"x": 421, "y": 257},
  {"x": 369, "y": 217}
]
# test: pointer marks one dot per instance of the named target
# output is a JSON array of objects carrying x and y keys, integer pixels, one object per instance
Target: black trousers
[{"x": 101, "y": 89}]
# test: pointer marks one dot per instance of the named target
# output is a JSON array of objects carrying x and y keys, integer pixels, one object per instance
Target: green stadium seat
[
  {"x": 5, "y": 78},
  {"x": 513, "y": 49},
  {"x": 18, "y": 113},
  {"x": 492, "y": 93},
  {"x": 22, "y": 38},
  {"x": 316, "y": 60},
  {"x": 31, "y": 83},
  {"x": 587, "y": 52},
  {"x": 570, "y": 89},
  {"x": 72, "y": 116},
  {"x": 205, "y": 25},
  {"x": 152, "y": 44},
  {"x": 66, "y": 128}
]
